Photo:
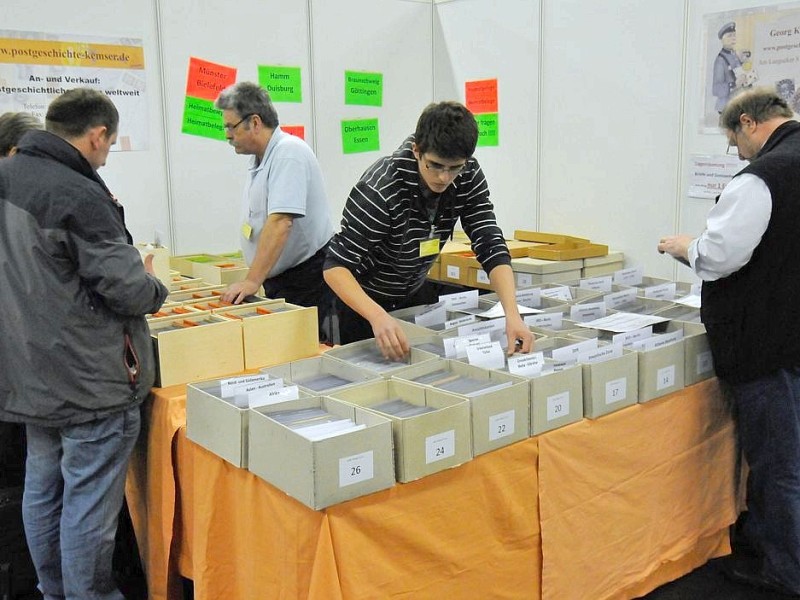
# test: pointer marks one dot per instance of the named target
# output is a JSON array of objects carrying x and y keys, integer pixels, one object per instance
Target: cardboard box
[
  {"x": 323, "y": 472},
  {"x": 608, "y": 386},
  {"x": 455, "y": 265},
  {"x": 320, "y": 375},
  {"x": 184, "y": 263},
  {"x": 174, "y": 309},
  {"x": 652, "y": 285},
  {"x": 366, "y": 355},
  {"x": 221, "y": 272},
  {"x": 275, "y": 331},
  {"x": 546, "y": 238},
  {"x": 568, "y": 251},
  {"x": 182, "y": 284},
  {"x": 698, "y": 363},
  {"x": 533, "y": 271},
  {"x": 556, "y": 396},
  {"x": 195, "y": 347},
  {"x": 195, "y": 294},
  {"x": 661, "y": 371},
  {"x": 499, "y": 417},
  {"x": 405, "y": 317},
  {"x": 218, "y": 424},
  {"x": 435, "y": 271},
  {"x": 595, "y": 266},
  {"x": 423, "y": 444}
]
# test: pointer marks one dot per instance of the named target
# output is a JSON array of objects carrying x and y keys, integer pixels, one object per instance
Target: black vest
[{"x": 753, "y": 316}]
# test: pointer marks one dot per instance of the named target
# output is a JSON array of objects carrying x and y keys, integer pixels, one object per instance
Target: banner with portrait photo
[{"x": 750, "y": 48}]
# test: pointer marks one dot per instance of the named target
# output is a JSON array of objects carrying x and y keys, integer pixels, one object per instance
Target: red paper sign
[
  {"x": 481, "y": 96},
  {"x": 298, "y": 130},
  {"x": 206, "y": 79}
]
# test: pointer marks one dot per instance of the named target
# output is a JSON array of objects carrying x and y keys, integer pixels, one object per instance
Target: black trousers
[{"x": 303, "y": 284}]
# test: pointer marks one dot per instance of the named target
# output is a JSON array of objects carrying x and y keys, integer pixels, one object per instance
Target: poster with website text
[{"x": 35, "y": 68}]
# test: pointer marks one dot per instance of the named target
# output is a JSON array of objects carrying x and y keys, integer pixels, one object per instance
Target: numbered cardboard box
[
  {"x": 425, "y": 443},
  {"x": 322, "y": 472},
  {"x": 366, "y": 355},
  {"x": 499, "y": 402},
  {"x": 320, "y": 375},
  {"x": 218, "y": 412},
  {"x": 534, "y": 271}
]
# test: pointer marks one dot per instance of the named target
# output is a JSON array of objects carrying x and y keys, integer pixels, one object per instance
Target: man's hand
[
  {"x": 237, "y": 292},
  {"x": 390, "y": 337},
  {"x": 677, "y": 246},
  {"x": 148, "y": 264},
  {"x": 520, "y": 338}
]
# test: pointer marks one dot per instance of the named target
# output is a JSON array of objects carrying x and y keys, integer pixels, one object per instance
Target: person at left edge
[
  {"x": 76, "y": 354},
  {"x": 286, "y": 223}
]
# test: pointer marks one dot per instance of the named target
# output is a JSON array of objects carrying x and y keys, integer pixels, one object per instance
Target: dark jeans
[
  {"x": 303, "y": 284},
  {"x": 353, "y": 327},
  {"x": 767, "y": 413}
]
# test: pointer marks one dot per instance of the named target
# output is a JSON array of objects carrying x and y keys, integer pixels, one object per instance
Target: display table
[{"x": 610, "y": 508}]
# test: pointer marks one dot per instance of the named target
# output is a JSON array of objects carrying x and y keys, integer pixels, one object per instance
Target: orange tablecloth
[{"x": 600, "y": 509}]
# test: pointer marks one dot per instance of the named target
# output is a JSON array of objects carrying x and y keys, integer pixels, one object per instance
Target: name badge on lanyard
[
  {"x": 429, "y": 247},
  {"x": 247, "y": 231}
]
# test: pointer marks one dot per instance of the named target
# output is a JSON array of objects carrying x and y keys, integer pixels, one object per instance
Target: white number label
[
  {"x": 356, "y": 468},
  {"x": 557, "y": 406},
  {"x": 440, "y": 446},
  {"x": 501, "y": 425},
  {"x": 665, "y": 378},
  {"x": 616, "y": 390}
]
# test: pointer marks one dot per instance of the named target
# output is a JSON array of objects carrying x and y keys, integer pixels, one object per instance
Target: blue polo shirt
[{"x": 288, "y": 180}]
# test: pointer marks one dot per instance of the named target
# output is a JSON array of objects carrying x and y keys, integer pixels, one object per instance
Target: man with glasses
[
  {"x": 749, "y": 260},
  {"x": 285, "y": 219},
  {"x": 397, "y": 217}
]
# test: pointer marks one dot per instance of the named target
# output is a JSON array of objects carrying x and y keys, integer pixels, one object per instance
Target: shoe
[{"x": 746, "y": 570}]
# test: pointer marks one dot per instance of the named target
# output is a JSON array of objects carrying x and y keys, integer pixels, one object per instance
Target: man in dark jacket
[
  {"x": 76, "y": 354},
  {"x": 749, "y": 260}
]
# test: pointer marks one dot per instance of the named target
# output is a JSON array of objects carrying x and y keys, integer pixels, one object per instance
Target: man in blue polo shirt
[{"x": 285, "y": 219}]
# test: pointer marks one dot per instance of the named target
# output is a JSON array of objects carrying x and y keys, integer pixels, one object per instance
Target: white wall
[
  {"x": 488, "y": 39},
  {"x": 597, "y": 103},
  {"x": 138, "y": 179}
]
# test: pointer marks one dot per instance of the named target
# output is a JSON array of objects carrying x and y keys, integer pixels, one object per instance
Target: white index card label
[
  {"x": 561, "y": 292},
  {"x": 501, "y": 425},
  {"x": 545, "y": 320},
  {"x": 453, "y": 272},
  {"x": 557, "y": 406},
  {"x": 664, "y": 291},
  {"x": 488, "y": 356},
  {"x": 524, "y": 279},
  {"x": 530, "y": 297},
  {"x": 528, "y": 365},
  {"x": 665, "y": 378},
  {"x": 616, "y": 390},
  {"x": 704, "y": 362},
  {"x": 432, "y": 315},
  {"x": 482, "y": 277},
  {"x": 460, "y": 300},
  {"x": 596, "y": 284},
  {"x": 356, "y": 468},
  {"x": 440, "y": 446},
  {"x": 632, "y": 276}
]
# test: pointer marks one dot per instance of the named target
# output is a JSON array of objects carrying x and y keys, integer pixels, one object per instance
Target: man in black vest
[{"x": 749, "y": 260}]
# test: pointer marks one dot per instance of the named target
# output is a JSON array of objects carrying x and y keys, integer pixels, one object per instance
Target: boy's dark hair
[
  {"x": 448, "y": 130},
  {"x": 76, "y": 111}
]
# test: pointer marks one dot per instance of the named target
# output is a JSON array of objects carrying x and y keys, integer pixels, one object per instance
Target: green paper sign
[
  {"x": 488, "y": 129},
  {"x": 201, "y": 118},
  {"x": 360, "y": 135},
  {"x": 282, "y": 83},
  {"x": 365, "y": 89}
]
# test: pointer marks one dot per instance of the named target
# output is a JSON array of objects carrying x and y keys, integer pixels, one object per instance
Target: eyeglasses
[
  {"x": 229, "y": 128},
  {"x": 734, "y": 145},
  {"x": 441, "y": 169}
]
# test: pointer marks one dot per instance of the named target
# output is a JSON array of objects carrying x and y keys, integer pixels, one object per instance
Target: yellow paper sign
[{"x": 247, "y": 231}]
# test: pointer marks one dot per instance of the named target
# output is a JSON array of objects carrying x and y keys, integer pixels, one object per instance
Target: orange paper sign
[
  {"x": 481, "y": 96},
  {"x": 298, "y": 130},
  {"x": 206, "y": 79}
]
